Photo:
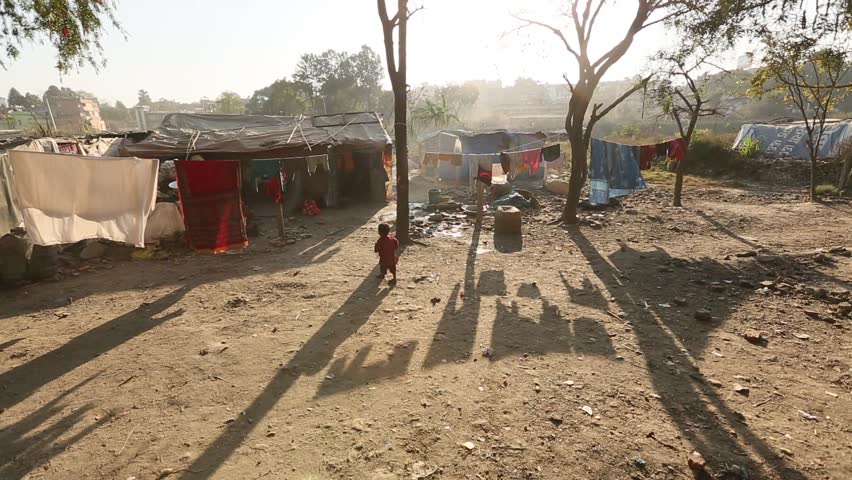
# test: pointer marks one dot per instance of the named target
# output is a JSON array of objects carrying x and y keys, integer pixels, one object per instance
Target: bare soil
[{"x": 567, "y": 353}]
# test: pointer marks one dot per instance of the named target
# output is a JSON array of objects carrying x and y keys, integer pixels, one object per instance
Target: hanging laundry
[
  {"x": 646, "y": 156},
  {"x": 212, "y": 204},
  {"x": 485, "y": 167},
  {"x": 68, "y": 198},
  {"x": 531, "y": 159},
  {"x": 551, "y": 153},
  {"x": 454, "y": 158},
  {"x": 662, "y": 149},
  {"x": 430, "y": 158},
  {"x": 273, "y": 189},
  {"x": 613, "y": 171},
  {"x": 506, "y": 163},
  {"x": 315, "y": 161},
  {"x": 677, "y": 149},
  {"x": 261, "y": 169}
]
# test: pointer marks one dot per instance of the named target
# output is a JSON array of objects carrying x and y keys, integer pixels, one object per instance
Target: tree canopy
[
  {"x": 282, "y": 97},
  {"x": 74, "y": 28},
  {"x": 337, "y": 81}
]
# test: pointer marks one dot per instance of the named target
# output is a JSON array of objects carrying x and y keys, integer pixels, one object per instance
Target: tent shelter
[
  {"x": 357, "y": 144},
  {"x": 462, "y": 141},
  {"x": 790, "y": 139}
]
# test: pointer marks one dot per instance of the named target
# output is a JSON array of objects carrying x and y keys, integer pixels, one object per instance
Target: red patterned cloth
[
  {"x": 677, "y": 149},
  {"x": 212, "y": 205},
  {"x": 532, "y": 159}
]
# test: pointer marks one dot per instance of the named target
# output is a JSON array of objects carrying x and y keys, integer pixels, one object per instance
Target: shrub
[
  {"x": 750, "y": 147},
  {"x": 826, "y": 190}
]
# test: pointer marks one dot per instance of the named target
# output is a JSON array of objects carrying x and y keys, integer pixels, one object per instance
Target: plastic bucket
[{"x": 434, "y": 196}]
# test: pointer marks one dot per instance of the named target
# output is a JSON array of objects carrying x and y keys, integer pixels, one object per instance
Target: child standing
[{"x": 386, "y": 249}]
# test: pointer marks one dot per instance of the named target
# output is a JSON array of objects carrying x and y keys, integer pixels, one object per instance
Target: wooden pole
[
  {"x": 281, "y": 219},
  {"x": 479, "y": 188}
]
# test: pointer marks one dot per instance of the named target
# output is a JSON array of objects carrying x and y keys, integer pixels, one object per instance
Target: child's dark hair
[{"x": 384, "y": 229}]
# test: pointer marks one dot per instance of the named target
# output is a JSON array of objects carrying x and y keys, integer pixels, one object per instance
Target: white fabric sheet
[{"x": 68, "y": 198}]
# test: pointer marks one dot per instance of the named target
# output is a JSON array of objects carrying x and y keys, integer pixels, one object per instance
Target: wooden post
[
  {"x": 281, "y": 219},
  {"x": 479, "y": 188}
]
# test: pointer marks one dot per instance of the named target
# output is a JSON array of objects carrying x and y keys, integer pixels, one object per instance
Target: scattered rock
[
  {"x": 434, "y": 301},
  {"x": 361, "y": 425},
  {"x": 703, "y": 315},
  {"x": 420, "y": 470},
  {"x": 488, "y": 353},
  {"x": 61, "y": 315},
  {"x": 696, "y": 462},
  {"x": 802, "y": 336},
  {"x": 714, "y": 382},
  {"x": 237, "y": 302},
  {"x": 844, "y": 308},
  {"x": 768, "y": 258},
  {"x": 555, "y": 419},
  {"x": 749, "y": 253},
  {"x": 755, "y": 337},
  {"x": 786, "y": 451},
  {"x": 469, "y": 446},
  {"x": 742, "y": 390},
  {"x": 639, "y": 463},
  {"x": 680, "y": 301},
  {"x": 588, "y": 410}
]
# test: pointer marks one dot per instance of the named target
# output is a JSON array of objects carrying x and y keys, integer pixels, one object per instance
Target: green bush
[
  {"x": 750, "y": 148},
  {"x": 826, "y": 190}
]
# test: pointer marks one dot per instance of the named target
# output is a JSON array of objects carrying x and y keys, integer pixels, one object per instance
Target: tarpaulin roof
[{"x": 256, "y": 135}]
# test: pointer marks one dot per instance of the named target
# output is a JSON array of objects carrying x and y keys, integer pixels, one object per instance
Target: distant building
[
  {"x": 3, "y": 103},
  {"x": 77, "y": 115}
]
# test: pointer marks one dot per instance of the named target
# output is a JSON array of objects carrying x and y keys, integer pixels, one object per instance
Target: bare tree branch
[{"x": 554, "y": 30}]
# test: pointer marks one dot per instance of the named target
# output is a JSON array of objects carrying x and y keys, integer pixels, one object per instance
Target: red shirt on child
[{"x": 386, "y": 248}]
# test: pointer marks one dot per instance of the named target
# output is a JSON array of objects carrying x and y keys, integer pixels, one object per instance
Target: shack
[
  {"x": 790, "y": 139},
  {"x": 467, "y": 142},
  {"x": 357, "y": 145}
]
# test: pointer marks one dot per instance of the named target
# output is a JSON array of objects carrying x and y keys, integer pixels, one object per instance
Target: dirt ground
[{"x": 568, "y": 353}]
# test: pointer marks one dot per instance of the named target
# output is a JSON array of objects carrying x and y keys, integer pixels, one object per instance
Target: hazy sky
[{"x": 188, "y": 49}]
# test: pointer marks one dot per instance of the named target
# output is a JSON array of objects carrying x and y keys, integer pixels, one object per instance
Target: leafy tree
[
  {"x": 339, "y": 82},
  {"x": 682, "y": 95},
  {"x": 281, "y": 98},
  {"x": 55, "y": 92},
  {"x": 33, "y": 102},
  {"x": 804, "y": 70},
  {"x": 73, "y": 27},
  {"x": 230, "y": 102},
  {"x": 436, "y": 113},
  {"x": 15, "y": 98},
  {"x": 144, "y": 98},
  {"x": 579, "y": 122},
  {"x": 460, "y": 97}
]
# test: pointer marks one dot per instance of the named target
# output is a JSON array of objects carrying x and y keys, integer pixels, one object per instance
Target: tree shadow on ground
[
  {"x": 515, "y": 334},
  {"x": 310, "y": 360},
  {"x": 343, "y": 376},
  {"x": 26, "y": 445},
  {"x": 456, "y": 332},
  {"x": 704, "y": 419},
  {"x": 17, "y": 384}
]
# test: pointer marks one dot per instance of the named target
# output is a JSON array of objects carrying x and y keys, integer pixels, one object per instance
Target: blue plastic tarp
[
  {"x": 791, "y": 140},
  {"x": 613, "y": 171}
]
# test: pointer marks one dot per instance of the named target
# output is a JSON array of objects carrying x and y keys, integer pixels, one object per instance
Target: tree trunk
[
  {"x": 813, "y": 177},
  {"x": 401, "y": 134},
  {"x": 678, "y": 189},
  {"x": 400, "y": 100},
  {"x": 575, "y": 183},
  {"x": 844, "y": 174}
]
